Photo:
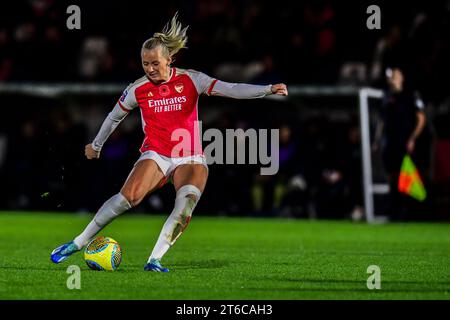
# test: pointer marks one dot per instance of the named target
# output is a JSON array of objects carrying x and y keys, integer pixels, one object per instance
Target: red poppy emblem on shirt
[
  {"x": 164, "y": 90},
  {"x": 179, "y": 87}
]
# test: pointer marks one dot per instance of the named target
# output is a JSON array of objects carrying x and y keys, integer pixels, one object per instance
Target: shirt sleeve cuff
[{"x": 96, "y": 147}]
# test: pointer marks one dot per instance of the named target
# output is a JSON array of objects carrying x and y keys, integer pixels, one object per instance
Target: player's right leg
[
  {"x": 144, "y": 178},
  {"x": 189, "y": 180}
]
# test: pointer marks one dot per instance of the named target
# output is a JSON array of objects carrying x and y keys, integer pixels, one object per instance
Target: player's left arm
[
  {"x": 244, "y": 90},
  {"x": 214, "y": 87}
]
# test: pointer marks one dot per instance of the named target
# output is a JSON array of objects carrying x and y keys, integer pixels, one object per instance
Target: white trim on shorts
[{"x": 168, "y": 165}]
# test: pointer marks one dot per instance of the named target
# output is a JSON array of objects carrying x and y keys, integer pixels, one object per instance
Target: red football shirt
[{"x": 169, "y": 111}]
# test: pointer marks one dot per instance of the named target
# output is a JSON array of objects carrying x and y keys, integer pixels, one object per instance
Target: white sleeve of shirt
[
  {"x": 109, "y": 125},
  {"x": 213, "y": 87},
  {"x": 239, "y": 90},
  {"x": 126, "y": 103},
  {"x": 201, "y": 81},
  {"x": 128, "y": 99}
]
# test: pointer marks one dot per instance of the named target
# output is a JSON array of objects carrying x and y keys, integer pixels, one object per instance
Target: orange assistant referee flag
[{"x": 409, "y": 181}]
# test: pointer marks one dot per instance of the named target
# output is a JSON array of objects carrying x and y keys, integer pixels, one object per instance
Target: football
[{"x": 103, "y": 253}]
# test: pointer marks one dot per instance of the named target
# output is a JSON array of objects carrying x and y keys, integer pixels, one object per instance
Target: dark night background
[{"x": 321, "y": 43}]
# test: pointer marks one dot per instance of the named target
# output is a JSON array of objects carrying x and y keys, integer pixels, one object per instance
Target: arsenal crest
[{"x": 179, "y": 87}]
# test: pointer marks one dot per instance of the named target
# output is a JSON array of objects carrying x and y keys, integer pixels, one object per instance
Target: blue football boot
[
  {"x": 63, "y": 252},
  {"x": 155, "y": 265}
]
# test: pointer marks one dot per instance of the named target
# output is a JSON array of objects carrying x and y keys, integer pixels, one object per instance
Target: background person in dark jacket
[{"x": 403, "y": 125}]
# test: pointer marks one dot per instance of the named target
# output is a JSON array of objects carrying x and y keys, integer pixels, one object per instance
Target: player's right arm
[{"x": 124, "y": 105}]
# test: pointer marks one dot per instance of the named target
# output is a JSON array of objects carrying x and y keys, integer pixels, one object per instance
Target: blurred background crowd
[{"x": 318, "y": 42}]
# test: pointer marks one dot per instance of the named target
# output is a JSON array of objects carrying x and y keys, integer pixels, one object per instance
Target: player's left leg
[{"x": 189, "y": 181}]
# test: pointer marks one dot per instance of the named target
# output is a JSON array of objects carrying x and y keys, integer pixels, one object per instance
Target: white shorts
[{"x": 168, "y": 165}]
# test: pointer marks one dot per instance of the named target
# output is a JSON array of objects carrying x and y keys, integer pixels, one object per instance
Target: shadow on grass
[
  {"x": 328, "y": 285},
  {"x": 31, "y": 268},
  {"x": 380, "y": 253},
  {"x": 180, "y": 265},
  {"x": 382, "y": 291},
  {"x": 201, "y": 264}
]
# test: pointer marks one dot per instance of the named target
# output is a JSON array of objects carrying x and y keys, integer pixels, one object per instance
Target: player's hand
[
  {"x": 279, "y": 89},
  {"x": 410, "y": 145},
  {"x": 90, "y": 153}
]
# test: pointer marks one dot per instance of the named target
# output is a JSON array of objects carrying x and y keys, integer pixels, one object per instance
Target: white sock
[
  {"x": 177, "y": 221},
  {"x": 115, "y": 206}
]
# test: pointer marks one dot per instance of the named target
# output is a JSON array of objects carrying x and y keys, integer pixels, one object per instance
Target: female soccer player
[{"x": 167, "y": 98}]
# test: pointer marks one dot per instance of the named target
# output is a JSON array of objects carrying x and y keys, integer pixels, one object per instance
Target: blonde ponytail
[{"x": 172, "y": 38}]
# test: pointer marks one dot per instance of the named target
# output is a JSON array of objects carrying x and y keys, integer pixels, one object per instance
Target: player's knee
[
  {"x": 189, "y": 191},
  {"x": 134, "y": 196},
  {"x": 192, "y": 196},
  {"x": 135, "y": 200}
]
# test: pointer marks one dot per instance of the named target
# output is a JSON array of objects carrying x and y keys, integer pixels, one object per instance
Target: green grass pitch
[{"x": 230, "y": 258}]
